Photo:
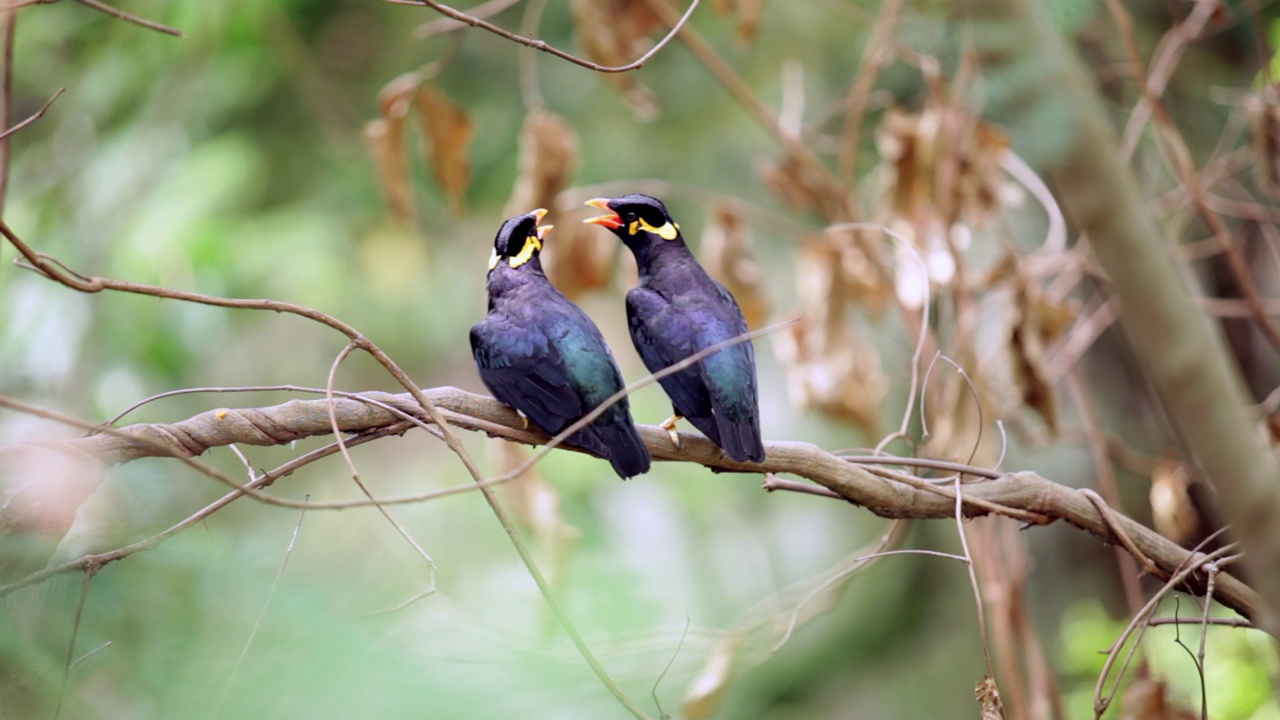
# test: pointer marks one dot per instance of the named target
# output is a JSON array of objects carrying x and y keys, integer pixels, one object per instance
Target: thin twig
[
  {"x": 1109, "y": 517},
  {"x": 844, "y": 571},
  {"x": 130, "y": 18},
  {"x": 93, "y": 652},
  {"x": 443, "y": 25},
  {"x": 773, "y": 482},
  {"x": 89, "y": 572},
  {"x": 8, "y": 23},
  {"x": 355, "y": 474},
  {"x": 530, "y": 90},
  {"x": 875, "y": 55},
  {"x": 18, "y": 4},
  {"x": 1100, "y": 703},
  {"x": 1223, "y": 621},
  {"x": 973, "y": 582},
  {"x": 1211, "y": 570},
  {"x": 542, "y": 45},
  {"x": 1180, "y": 162},
  {"x": 1055, "y": 241},
  {"x": 923, "y": 333},
  {"x": 253, "y": 632},
  {"x": 946, "y": 465},
  {"x": 1171, "y": 49},
  {"x": 654, "y": 690},
  {"x": 30, "y": 118},
  {"x": 1106, "y": 482}
]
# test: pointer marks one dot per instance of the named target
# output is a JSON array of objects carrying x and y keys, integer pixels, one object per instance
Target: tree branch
[{"x": 1019, "y": 495}]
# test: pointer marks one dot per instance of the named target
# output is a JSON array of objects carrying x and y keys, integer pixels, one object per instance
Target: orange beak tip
[
  {"x": 611, "y": 221},
  {"x": 538, "y": 215}
]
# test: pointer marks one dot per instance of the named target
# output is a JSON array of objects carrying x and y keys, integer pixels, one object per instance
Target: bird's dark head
[
  {"x": 519, "y": 240},
  {"x": 636, "y": 217}
]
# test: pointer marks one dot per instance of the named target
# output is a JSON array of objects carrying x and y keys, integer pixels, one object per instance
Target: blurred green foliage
[{"x": 231, "y": 163}]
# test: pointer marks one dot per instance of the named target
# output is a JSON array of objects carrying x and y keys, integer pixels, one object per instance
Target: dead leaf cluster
[
  {"x": 1173, "y": 511},
  {"x": 801, "y": 185},
  {"x": 941, "y": 169},
  {"x": 829, "y": 367},
  {"x": 577, "y": 258},
  {"x": 445, "y": 130},
  {"x": 1037, "y": 323}
]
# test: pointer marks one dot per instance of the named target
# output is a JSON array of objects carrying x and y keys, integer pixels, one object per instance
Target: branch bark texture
[{"x": 1020, "y": 495}]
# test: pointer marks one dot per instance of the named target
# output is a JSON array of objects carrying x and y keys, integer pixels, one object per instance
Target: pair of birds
[{"x": 539, "y": 353}]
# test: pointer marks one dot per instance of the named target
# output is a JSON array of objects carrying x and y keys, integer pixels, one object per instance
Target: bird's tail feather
[
  {"x": 626, "y": 450},
  {"x": 741, "y": 440}
]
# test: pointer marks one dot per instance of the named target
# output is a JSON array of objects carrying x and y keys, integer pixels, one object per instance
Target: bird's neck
[
  {"x": 507, "y": 282},
  {"x": 655, "y": 254}
]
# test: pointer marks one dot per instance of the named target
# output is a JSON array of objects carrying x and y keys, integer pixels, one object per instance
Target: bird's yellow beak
[
  {"x": 611, "y": 221},
  {"x": 537, "y": 218}
]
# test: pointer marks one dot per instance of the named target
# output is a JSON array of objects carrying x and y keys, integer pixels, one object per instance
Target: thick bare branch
[{"x": 1015, "y": 494}]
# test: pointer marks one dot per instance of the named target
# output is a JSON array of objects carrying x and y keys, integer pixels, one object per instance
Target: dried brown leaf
[
  {"x": 942, "y": 170},
  {"x": 942, "y": 162},
  {"x": 801, "y": 186},
  {"x": 726, "y": 254},
  {"x": 989, "y": 695},
  {"x": 1172, "y": 509},
  {"x": 861, "y": 278},
  {"x": 839, "y": 375},
  {"x": 396, "y": 97},
  {"x": 385, "y": 138},
  {"x": 1037, "y": 323},
  {"x": 706, "y": 692},
  {"x": 616, "y": 32},
  {"x": 548, "y": 158},
  {"x": 828, "y": 367},
  {"x": 448, "y": 130},
  {"x": 820, "y": 285},
  {"x": 578, "y": 258}
]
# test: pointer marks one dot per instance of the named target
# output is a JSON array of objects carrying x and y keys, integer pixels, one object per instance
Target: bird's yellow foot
[{"x": 670, "y": 426}]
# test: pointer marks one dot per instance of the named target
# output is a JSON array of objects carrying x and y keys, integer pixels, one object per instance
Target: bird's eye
[{"x": 631, "y": 217}]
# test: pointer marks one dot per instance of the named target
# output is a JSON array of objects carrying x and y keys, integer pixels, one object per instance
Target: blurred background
[{"x": 357, "y": 157}]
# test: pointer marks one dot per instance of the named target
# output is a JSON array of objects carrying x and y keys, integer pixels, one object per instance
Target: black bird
[
  {"x": 539, "y": 353},
  {"x": 677, "y": 310}
]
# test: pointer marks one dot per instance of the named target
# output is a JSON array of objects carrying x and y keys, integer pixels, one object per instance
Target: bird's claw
[
  {"x": 524, "y": 419},
  {"x": 670, "y": 426}
]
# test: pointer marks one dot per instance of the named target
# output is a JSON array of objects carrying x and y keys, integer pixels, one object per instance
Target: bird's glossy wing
[
  {"x": 664, "y": 337},
  {"x": 730, "y": 375},
  {"x": 524, "y": 370}
]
